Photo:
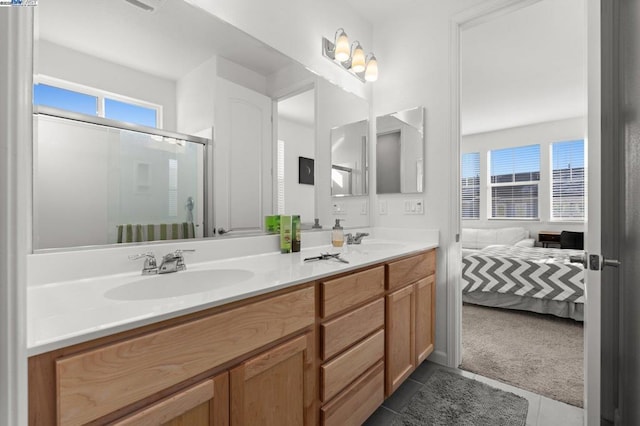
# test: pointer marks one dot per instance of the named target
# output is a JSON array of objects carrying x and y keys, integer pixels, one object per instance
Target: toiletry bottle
[
  {"x": 285, "y": 234},
  {"x": 295, "y": 233},
  {"x": 337, "y": 235}
]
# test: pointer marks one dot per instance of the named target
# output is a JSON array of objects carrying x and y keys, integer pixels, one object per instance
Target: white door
[{"x": 242, "y": 158}]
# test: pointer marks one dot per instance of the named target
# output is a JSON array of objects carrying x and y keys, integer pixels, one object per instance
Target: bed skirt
[{"x": 511, "y": 301}]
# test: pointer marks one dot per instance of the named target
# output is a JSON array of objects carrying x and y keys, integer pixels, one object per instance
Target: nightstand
[{"x": 549, "y": 239}]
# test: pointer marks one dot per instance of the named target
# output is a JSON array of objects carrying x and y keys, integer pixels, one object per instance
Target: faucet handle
[
  {"x": 349, "y": 237},
  {"x": 150, "y": 264}
]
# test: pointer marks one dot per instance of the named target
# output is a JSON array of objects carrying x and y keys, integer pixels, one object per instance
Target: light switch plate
[{"x": 414, "y": 206}]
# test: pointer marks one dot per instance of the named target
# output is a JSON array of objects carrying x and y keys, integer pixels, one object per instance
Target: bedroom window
[
  {"x": 567, "y": 180},
  {"x": 470, "y": 185},
  {"x": 513, "y": 184}
]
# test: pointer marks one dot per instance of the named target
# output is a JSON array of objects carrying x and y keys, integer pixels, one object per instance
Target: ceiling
[
  {"x": 169, "y": 42},
  {"x": 376, "y": 11},
  {"x": 525, "y": 67}
]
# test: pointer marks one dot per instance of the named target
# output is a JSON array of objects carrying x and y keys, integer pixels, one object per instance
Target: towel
[{"x": 136, "y": 233}]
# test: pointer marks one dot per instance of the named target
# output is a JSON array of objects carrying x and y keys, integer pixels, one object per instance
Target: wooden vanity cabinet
[
  {"x": 204, "y": 404},
  {"x": 174, "y": 370},
  {"x": 329, "y": 351},
  {"x": 351, "y": 347},
  {"x": 270, "y": 388},
  {"x": 410, "y": 316}
]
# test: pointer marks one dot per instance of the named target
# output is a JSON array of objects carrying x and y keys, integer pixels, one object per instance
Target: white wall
[
  {"x": 61, "y": 62},
  {"x": 412, "y": 47},
  {"x": 543, "y": 134},
  {"x": 195, "y": 93},
  {"x": 299, "y": 142}
]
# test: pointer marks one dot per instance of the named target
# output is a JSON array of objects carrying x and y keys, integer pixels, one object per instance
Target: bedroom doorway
[{"x": 508, "y": 184}]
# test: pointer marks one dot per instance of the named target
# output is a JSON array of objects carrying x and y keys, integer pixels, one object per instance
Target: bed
[{"x": 527, "y": 278}]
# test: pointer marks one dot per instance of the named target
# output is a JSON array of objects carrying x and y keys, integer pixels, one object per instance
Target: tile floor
[{"x": 542, "y": 411}]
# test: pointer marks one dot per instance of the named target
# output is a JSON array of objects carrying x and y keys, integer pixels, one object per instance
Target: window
[
  {"x": 515, "y": 174},
  {"x": 470, "y": 185},
  {"x": 130, "y": 113},
  {"x": 57, "y": 97},
  {"x": 567, "y": 180},
  {"x": 86, "y": 100}
]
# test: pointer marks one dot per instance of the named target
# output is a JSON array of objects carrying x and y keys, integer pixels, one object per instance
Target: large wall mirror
[
  {"x": 170, "y": 124},
  {"x": 400, "y": 152}
]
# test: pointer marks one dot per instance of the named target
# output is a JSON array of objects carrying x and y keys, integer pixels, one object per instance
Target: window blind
[
  {"x": 470, "y": 185},
  {"x": 568, "y": 184},
  {"x": 515, "y": 174}
]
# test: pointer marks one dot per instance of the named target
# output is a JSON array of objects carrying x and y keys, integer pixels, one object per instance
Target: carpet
[
  {"x": 539, "y": 353},
  {"x": 450, "y": 399}
]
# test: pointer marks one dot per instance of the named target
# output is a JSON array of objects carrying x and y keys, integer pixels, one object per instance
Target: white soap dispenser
[{"x": 337, "y": 235}]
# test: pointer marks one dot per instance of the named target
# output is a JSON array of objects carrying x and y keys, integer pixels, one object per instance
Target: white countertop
[{"x": 65, "y": 313}]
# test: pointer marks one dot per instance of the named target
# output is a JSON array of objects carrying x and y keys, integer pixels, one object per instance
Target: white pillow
[{"x": 528, "y": 242}]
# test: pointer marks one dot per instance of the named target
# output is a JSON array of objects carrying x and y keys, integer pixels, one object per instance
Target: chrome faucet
[
  {"x": 150, "y": 266},
  {"x": 357, "y": 239},
  {"x": 173, "y": 262}
]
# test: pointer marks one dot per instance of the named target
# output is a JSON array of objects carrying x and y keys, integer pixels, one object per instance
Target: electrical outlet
[
  {"x": 382, "y": 207},
  {"x": 417, "y": 207},
  {"x": 339, "y": 208}
]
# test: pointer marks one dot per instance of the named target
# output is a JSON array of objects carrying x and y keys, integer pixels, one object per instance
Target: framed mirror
[
  {"x": 400, "y": 152},
  {"x": 185, "y": 75}
]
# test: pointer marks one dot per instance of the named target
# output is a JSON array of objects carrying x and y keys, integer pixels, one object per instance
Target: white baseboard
[{"x": 439, "y": 357}]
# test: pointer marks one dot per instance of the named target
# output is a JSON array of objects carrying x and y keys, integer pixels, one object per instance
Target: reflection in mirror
[
  {"x": 349, "y": 159},
  {"x": 99, "y": 184},
  {"x": 182, "y": 70},
  {"x": 295, "y": 158},
  {"x": 400, "y": 152}
]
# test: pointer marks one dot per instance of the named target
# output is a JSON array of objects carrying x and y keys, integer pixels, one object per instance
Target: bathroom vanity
[{"x": 329, "y": 350}]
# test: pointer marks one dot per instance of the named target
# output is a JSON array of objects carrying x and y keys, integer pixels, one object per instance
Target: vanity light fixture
[{"x": 350, "y": 58}]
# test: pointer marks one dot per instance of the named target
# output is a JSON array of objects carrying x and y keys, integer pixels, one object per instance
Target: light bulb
[
  {"x": 358, "y": 59},
  {"x": 342, "y": 51},
  {"x": 371, "y": 73}
]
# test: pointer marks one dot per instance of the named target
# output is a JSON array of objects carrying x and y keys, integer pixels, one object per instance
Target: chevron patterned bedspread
[{"x": 542, "y": 273}]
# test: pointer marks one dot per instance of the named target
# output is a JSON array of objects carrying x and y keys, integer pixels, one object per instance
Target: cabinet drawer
[
  {"x": 340, "y": 333},
  {"x": 345, "y": 292},
  {"x": 358, "y": 401},
  {"x": 95, "y": 383},
  {"x": 347, "y": 367},
  {"x": 406, "y": 271}
]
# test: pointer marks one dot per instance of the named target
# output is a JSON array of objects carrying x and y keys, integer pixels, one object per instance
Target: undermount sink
[
  {"x": 177, "y": 284},
  {"x": 378, "y": 246}
]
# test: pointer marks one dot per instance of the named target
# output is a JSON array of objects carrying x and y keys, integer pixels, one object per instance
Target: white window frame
[
  {"x": 552, "y": 218},
  {"x": 491, "y": 185},
  {"x": 101, "y": 95}
]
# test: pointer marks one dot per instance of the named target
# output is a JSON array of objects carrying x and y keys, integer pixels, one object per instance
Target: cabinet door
[
  {"x": 425, "y": 312},
  {"x": 204, "y": 404},
  {"x": 272, "y": 388},
  {"x": 400, "y": 344}
]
